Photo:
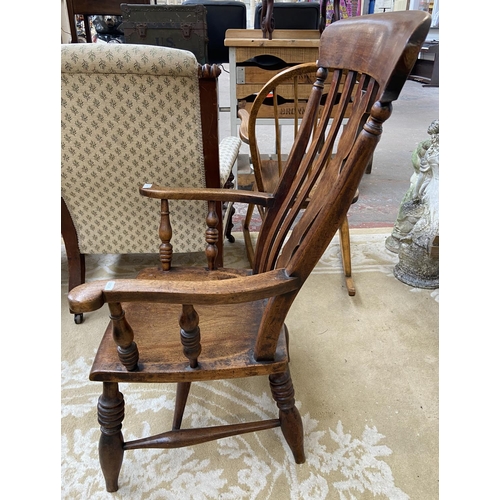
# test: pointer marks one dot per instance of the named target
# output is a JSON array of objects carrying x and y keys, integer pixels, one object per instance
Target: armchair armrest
[
  {"x": 92, "y": 296},
  {"x": 207, "y": 194}
]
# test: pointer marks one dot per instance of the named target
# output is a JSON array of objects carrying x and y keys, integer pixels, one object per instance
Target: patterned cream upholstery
[{"x": 130, "y": 116}]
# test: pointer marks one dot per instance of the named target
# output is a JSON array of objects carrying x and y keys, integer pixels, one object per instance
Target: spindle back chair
[{"x": 182, "y": 325}]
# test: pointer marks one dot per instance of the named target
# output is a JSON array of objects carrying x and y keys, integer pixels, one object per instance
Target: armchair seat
[{"x": 162, "y": 357}]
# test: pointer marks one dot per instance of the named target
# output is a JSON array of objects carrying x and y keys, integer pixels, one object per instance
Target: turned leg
[
  {"x": 180, "y": 403},
  {"x": 110, "y": 414},
  {"x": 246, "y": 234},
  {"x": 368, "y": 169},
  {"x": 290, "y": 420},
  {"x": 345, "y": 249}
]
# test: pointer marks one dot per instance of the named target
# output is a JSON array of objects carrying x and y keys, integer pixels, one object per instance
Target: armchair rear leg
[{"x": 290, "y": 419}]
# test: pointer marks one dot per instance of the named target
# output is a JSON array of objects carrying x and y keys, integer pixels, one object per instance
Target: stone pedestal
[{"x": 416, "y": 231}]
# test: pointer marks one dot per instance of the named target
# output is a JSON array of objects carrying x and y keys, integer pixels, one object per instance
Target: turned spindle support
[
  {"x": 212, "y": 236},
  {"x": 123, "y": 335},
  {"x": 190, "y": 334},
  {"x": 165, "y": 233}
]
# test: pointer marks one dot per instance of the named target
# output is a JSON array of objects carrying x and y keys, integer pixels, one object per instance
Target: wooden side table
[{"x": 254, "y": 60}]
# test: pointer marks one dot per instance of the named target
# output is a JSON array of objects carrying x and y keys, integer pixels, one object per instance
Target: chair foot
[
  {"x": 349, "y": 283},
  {"x": 78, "y": 319}
]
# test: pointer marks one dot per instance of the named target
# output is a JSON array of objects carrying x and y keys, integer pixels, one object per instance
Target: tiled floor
[{"x": 381, "y": 191}]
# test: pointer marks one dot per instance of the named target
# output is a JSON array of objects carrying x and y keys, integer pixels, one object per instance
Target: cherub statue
[
  {"x": 411, "y": 207},
  {"x": 417, "y": 227}
]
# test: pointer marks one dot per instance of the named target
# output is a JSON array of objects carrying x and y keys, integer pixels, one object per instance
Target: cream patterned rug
[{"x": 365, "y": 371}]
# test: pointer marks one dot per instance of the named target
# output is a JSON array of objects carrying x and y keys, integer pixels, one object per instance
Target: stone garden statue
[{"x": 416, "y": 231}]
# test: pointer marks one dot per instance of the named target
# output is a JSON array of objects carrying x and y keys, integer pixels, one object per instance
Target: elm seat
[
  {"x": 133, "y": 114},
  {"x": 183, "y": 325}
]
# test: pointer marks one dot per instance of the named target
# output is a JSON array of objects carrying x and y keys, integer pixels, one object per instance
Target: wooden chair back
[
  {"x": 373, "y": 69},
  {"x": 367, "y": 74},
  {"x": 88, "y": 8}
]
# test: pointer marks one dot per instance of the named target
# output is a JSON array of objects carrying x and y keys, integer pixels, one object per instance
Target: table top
[{"x": 281, "y": 38}]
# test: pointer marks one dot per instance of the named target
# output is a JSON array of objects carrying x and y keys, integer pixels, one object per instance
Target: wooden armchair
[
  {"x": 279, "y": 105},
  {"x": 175, "y": 325},
  {"x": 133, "y": 114}
]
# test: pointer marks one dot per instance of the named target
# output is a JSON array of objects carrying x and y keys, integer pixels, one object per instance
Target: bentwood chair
[
  {"x": 281, "y": 104},
  {"x": 176, "y": 325},
  {"x": 132, "y": 114}
]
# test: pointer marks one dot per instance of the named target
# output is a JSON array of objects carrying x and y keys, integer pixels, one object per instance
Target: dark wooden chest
[{"x": 179, "y": 26}]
